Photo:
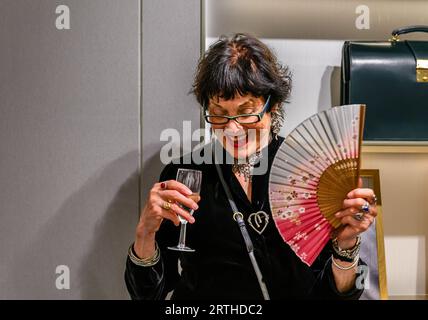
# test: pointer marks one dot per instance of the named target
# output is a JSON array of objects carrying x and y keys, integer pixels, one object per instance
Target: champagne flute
[{"x": 192, "y": 179}]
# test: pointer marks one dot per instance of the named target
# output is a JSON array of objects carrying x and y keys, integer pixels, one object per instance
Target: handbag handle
[{"x": 408, "y": 29}]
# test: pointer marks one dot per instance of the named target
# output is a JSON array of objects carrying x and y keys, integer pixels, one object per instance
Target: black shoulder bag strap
[{"x": 238, "y": 217}]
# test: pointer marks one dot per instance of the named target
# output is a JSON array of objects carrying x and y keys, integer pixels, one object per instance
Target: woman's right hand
[{"x": 163, "y": 193}]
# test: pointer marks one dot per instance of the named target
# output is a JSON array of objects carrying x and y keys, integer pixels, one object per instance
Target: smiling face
[{"x": 241, "y": 140}]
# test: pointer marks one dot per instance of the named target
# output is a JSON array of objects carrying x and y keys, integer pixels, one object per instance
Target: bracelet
[
  {"x": 346, "y": 255},
  {"x": 146, "y": 262},
  {"x": 345, "y": 268}
]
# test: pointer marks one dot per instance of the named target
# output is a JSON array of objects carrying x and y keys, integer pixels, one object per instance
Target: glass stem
[{"x": 182, "y": 239}]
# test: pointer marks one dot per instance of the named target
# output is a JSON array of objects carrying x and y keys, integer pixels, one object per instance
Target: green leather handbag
[{"x": 391, "y": 79}]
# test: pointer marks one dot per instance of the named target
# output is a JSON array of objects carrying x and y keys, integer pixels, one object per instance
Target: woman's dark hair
[{"x": 242, "y": 65}]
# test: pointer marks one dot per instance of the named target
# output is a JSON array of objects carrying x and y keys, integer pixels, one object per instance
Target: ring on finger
[
  {"x": 373, "y": 200},
  {"x": 359, "y": 216},
  {"x": 166, "y": 205},
  {"x": 366, "y": 207}
]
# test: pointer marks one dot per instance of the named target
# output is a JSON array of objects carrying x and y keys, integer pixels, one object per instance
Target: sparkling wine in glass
[{"x": 192, "y": 179}]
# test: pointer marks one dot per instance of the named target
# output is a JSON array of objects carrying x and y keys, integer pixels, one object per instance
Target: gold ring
[{"x": 166, "y": 205}]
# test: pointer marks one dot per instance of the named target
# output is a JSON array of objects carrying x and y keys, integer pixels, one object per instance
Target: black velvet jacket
[{"x": 220, "y": 268}]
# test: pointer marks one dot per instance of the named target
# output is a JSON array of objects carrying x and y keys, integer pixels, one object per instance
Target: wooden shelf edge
[{"x": 394, "y": 148}]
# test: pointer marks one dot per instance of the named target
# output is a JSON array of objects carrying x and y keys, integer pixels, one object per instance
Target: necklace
[
  {"x": 246, "y": 169},
  {"x": 260, "y": 219}
]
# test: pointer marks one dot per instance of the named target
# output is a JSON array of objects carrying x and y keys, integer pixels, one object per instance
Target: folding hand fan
[{"x": 313, "y": 171}]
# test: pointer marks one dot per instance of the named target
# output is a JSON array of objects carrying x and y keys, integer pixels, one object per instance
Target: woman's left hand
[{"x": 353, "y": 217}]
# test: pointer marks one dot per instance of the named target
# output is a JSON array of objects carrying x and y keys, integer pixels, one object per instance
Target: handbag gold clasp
[
  {"x": 422, "y": 70},
  {"x": 395, "y": 38}
]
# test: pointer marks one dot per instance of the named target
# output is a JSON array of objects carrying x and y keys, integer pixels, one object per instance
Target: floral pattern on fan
[{"x": 314, "y": 169}]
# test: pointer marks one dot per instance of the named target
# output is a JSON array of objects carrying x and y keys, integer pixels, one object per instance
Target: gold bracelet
[
  {"x": 146, "y": 262},
  {"x": 357, "y": 258}
]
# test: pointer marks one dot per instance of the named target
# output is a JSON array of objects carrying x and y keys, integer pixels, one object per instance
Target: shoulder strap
[{"x": 238, "y": 217}]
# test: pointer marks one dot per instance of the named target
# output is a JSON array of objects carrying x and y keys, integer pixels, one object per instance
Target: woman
[{"x": 242, "y": 88}]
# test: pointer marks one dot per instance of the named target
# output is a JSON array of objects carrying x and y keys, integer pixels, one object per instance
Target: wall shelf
[{"x": 413, "y": 148}]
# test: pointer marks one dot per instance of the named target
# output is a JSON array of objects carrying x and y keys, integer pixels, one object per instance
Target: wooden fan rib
[
  {"x": 328, "y": 210},
  {"x": 335, "y": 184},
  {"x": 338, "y": 184},
  {"x": 337, "y": 172}
]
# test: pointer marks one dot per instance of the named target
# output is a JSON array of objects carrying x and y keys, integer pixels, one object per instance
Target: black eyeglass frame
[{"x": 259, "y": 115}]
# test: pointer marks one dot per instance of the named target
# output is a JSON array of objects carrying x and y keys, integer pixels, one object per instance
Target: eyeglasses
[{"x": 241, "y": 118}]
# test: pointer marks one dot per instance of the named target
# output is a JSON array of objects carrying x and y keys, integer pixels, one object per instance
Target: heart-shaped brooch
[{"x": 258, "y": 221}]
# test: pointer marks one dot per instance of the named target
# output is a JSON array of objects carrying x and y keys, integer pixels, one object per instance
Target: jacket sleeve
[
  {"x": 325, "y": 286},
  {"x": 154, "y": 283}
]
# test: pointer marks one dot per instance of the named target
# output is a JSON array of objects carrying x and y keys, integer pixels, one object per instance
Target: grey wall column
[
  {"x": 69, "y": 147},
  {"x": 70, "y": 135},
  {"x": 171, "y": 49}
]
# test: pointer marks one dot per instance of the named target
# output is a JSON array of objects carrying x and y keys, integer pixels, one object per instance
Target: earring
[{"x": 277, "y": 116}]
